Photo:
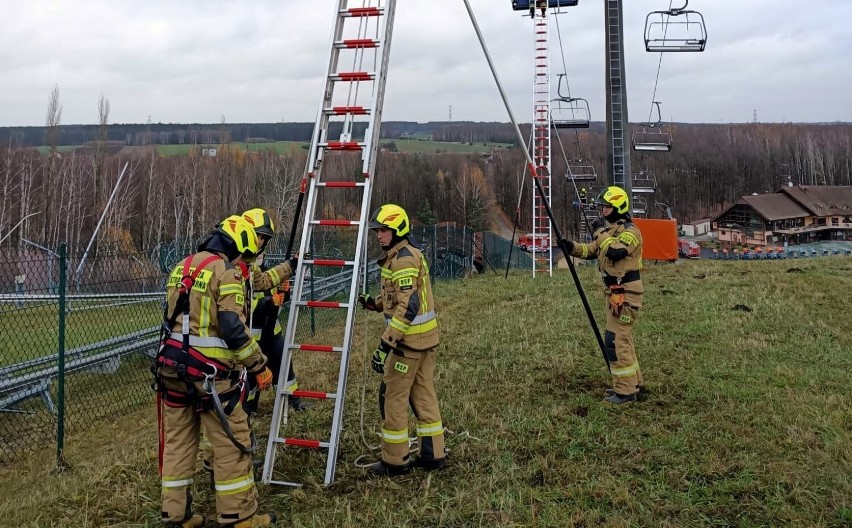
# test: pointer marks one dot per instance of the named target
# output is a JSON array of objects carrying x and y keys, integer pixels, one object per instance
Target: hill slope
[{"x": 747, "y": 422}]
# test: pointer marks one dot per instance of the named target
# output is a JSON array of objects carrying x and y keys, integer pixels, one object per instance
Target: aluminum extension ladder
[{"x": 356, "y": 71}]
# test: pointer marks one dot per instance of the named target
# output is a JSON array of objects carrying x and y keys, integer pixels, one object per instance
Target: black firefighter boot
[
  {"x": 618, "y": 399},
  {"x": 193, "y": 521},
  {"x": 383, "y": 469}
]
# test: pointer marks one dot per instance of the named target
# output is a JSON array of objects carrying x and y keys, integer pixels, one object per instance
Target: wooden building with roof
[{"x": 795, "y": 215}]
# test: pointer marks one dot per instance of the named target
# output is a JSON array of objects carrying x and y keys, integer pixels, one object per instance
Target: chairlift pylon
[
  {"x": 677, "y": 29},
  {"x": 654, "y": 136}
]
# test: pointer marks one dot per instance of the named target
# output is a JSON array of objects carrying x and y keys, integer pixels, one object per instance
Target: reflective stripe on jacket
[
  {"x": 217, "y": 313},
  {"x": 406, "y": 298},
  {"x": 623, "y": 234}
]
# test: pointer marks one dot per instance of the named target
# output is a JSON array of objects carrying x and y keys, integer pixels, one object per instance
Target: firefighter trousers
[
  {"x": 236, "y": 496},
  {"x": 409, "y": 379},
  {"x": 620, "y": 349}
]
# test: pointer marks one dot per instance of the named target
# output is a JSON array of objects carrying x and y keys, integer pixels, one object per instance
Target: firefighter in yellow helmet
[
  {"x": 618, "y": 248},
  {"x": 205, "y": 357},
  {"x": 406, "y": 352},
  {"x": 266, "y": 303}
]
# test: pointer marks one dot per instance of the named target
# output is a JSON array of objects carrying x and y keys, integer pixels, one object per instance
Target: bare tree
[
  {"x": 10, "y": 181},
  {"x": 100, "y": 151}
]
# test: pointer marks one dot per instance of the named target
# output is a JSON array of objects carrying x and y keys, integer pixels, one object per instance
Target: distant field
[
  {"x": 44, "y": 149},
  {"x": 282, "y": 147},
  {"x": 417, "y": 145}
]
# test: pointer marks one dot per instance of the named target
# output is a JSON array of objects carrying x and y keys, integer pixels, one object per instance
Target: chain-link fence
[
  {"x": 454, "y": 252},
  {"x": 77, "y": 332}
]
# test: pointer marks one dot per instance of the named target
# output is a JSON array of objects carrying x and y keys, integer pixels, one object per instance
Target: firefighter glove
[
  {"x": 597, "y": 224},
  {"x": 566, "y": 245},
  {"x": 380, "y": 356},
  {"x": 367, "y": 302},
  {"x": 293, "y": 262},
  {"x": 264, "y": 379},
  {"x": 278, "y": 298},
  {"x": 616, "y": 299}
]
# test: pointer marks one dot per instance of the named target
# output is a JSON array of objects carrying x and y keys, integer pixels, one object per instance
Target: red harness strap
[{"x": 188, "y": 280}]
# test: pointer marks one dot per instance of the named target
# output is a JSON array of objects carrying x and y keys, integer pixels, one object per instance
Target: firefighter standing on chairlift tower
[
  {"x": 201, "y": 370},
  {"x": 618, "y": 248},
  {"x": 406, "y": 352}
]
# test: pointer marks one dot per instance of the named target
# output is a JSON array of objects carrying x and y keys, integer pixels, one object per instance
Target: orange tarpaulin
[{"x": 659, "y": 238}]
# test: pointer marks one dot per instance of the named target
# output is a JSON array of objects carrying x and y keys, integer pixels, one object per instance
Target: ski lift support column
[{"x": 618, "y": 155}]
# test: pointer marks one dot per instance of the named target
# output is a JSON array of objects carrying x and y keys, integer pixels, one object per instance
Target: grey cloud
[{"x": 193, "y": 61}]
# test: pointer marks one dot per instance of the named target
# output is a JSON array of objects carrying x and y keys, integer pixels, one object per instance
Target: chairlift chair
[
  {"x": 675, "y": 29},
  {"x": 521, "y": 5},
  {"x": 569, "y": 112},
  {"x": 652, "y": 137},
  {"x": 581, "y": 173},
  {"x": 643, "y": 182},
  {"x": 640, "y": 205}
]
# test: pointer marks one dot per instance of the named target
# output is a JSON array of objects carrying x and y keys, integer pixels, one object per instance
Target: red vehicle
[
  {"x": 534, "y": 244},
  {"x": 688, "y": 248}
]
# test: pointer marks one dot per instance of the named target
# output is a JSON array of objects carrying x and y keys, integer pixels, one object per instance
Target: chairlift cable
[
  {"x": 659, "y": 66},
  {"x": 574, "y": 184},
  {"x": 518, "y": 206},
  {"x": 568, "y": 86}
]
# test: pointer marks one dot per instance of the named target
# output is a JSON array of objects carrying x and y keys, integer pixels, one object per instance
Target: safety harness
[{"x": 192, "y": 366}]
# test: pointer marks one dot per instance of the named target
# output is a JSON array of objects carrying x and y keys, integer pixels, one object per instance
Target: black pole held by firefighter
[{"x": 532, "y": 170}]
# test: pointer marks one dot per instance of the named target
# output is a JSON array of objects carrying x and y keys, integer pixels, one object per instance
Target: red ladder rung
[
  {"x": 343, "y": 145},
  {"x": 362, "y": 12},
  {"x": 324, "y": 304},
  {"x": 313, "y": 394},
  {"x": 341, "y": 184},
  {"x": 354, "y": 76},
  {"x": 357, "y": 43},
  {"x": 316, "y": 348},
  {"x": 301, "y": 442},
  {"x": 328, "y": 262},
  {"x": 337, "y": 223},
  {"x": 342, "y": 110}
]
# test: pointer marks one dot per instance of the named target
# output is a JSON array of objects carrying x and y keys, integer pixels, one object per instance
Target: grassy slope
[{"x": 747, "y": 423}]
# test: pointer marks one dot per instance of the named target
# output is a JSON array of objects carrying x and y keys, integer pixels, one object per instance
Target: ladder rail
[
  {"x": 314, "y": 159},
  {"x": 320, "y": 143}
]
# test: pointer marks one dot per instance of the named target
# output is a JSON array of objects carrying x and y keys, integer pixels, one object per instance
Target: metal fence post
[{"x": 60, "y": 390}]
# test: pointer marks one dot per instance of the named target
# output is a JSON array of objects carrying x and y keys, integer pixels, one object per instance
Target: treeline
[{"x": 59, "y": 197}]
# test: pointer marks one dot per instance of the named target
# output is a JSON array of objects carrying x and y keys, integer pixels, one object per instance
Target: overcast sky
[{"x": 263, "y": 60}]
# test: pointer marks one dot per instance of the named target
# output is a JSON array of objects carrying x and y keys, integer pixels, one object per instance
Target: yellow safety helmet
[
  {"x": 391, "y": 217},
  {"x": 261, "y": 221},
  {"x": 615, "y": 197},
  {"x": 242, "y": 233}
]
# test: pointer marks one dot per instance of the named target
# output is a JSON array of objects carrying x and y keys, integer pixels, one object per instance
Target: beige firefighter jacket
[
  {"x": 217, "y": 313},
  {"x": 623, "y": 234},
  {"x": 406, "y": 298},
  {"x": 261, "y": 304}
]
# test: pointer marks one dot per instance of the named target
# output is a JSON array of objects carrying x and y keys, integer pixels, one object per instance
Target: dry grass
[{"x": 747, "y": 422}]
